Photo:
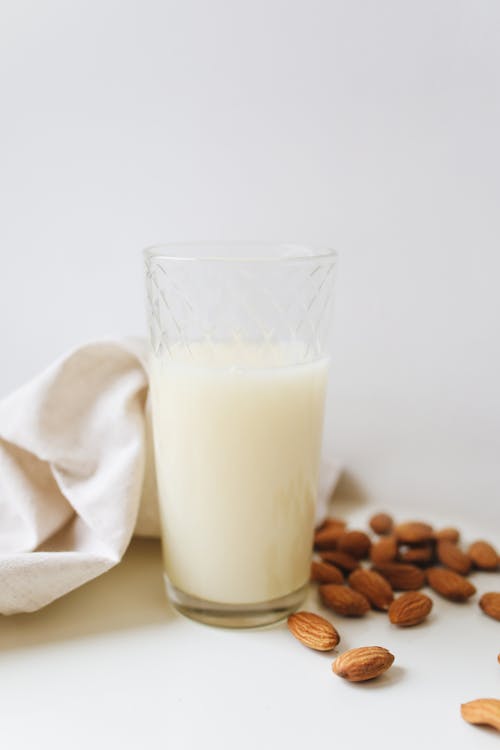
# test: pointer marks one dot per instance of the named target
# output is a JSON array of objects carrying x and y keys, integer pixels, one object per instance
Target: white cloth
[{"x": 75, "y": 460}]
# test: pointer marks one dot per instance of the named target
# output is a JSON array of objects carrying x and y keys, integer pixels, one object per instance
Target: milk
[{"x": 237, "y": 441}]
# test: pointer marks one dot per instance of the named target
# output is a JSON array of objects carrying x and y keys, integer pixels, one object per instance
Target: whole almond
[
  {"x": 384, "y": 550},
  {"x": 449, "y": 533},
  {"x": 372, "y": 585},
  {"x": 328, "y": 537},
  {"x": 417, "y": 555},
  {"x": 402, "y": 576},
  {"x": 342, "y": 560},
  {"x": 414, "y": 532},
  {"x": 482, "y": 711},
  {"x": 360, "y": 664},
  {"x": 449, "y": 584},
  {"x": 490, "y": 604},
  {"x": 313, "y": 631},
  {"x": 410, "y": 609},
  {"x": 355, "y": 543},
  {"x": 483, "y": 555},
  {"x": 452, "y": 557},
  {"x": 381, "y": 523},
  {"x": 322, "y": 572},
  {"x": 330, "y": 521},
  {"x": 343, "y": 600}
]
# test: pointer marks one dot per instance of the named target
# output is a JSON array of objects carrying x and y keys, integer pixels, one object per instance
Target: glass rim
[{"x": 279, "y": 252}]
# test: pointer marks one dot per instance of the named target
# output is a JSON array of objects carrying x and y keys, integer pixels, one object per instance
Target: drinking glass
[{"x": 239, "y": 366}]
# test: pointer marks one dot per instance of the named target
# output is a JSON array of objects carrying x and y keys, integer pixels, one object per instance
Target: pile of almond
[{"x": 403, "y": 557}]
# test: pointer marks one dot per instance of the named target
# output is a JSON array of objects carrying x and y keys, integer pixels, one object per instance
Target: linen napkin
[{"x": 77, "y": 472}]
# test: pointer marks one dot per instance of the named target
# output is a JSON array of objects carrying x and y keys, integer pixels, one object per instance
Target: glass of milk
[{"x": 239, "y": 366}]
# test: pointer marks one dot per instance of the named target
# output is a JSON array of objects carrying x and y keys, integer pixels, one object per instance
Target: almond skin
[
  {"x": 482, "y": 711},
  {"x": 322, "y": 572},
  {"x": 372, "y": 585},
  {"x": 402, "y": 576},
  {"x": 327, "y": 538},
  {"x": 450, "y": 585},
  {"x": 313, "y": 631},
  {"x": 384, "y": 550},
  {"x": 343, "y": 600},
  {"x": 417, "y": 555},
  {"x": 414, "y": 532},
  {"x": 360, "y": 664},
  {"x": 490, "y": 604},
  {"x": 342, "y": 560},
  {"x": 355, "y": 543},
  {"x": 381, "y": 523},
  {"x": 452, "y": 557},
  {"x": 483, "y": 555},
  {"x": 449, "y": 533},
  {"x": 410, "y": 609}
]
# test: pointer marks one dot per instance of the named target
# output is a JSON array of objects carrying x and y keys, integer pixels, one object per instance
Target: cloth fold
[{"x": 77, "y": 472}]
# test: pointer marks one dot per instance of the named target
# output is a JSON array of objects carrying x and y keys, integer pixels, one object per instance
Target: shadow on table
[
  {"x": 130, "y": 595},
  {"x": 349, "y": 495}
]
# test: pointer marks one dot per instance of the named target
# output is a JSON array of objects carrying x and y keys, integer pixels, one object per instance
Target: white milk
[{"x": 237, "y": 455}]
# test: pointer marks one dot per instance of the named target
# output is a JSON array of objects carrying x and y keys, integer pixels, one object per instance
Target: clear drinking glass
[{"x": 239, "y": 367}]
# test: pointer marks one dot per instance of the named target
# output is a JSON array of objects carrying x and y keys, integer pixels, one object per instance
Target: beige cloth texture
[{"x": 77, "y": 473}]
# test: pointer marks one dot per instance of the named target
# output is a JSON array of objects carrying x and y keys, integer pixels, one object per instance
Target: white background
[{"x": 372, "y": 127}]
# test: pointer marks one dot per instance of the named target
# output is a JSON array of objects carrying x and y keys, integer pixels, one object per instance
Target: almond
[
  {"x": 449, "y": 533},
  {"x": 490, "y": 604},
  {"x": 410, "y": 609},
  {"x": 313, "y": 631},
  {"x": 414, "y": 532},
  {"x": 482, "y": 711},
  {"x": 328, "y": 537},
  {"x": 417, "y": 555},
  {"x": 381, "y": 523},
  {"x": 372, "y": 585},
  {"x": 342, "y": 560},
  {"x": 343, "y": 600},
  {"x": 402, "y": 576},
  {"x": 384, "y": 550},
  {"x": 355, "y": 543},
  {"x": 483, "y": 555},
  {"x": 330, "y": 521},
  {"x": 449, "y": 584},
  {"x": 360, "y": 664},
  {"x": 322, "y": 572},
  {"x": 452, "y": 557}
]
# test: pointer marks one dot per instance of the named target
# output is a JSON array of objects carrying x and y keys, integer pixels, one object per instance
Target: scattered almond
[
  {"x": 322, "y": 572},
  {"x": 381, "y": 523},
  {"x": 343, "y": 600},
  {"x": 313, "y": 631},
  {"x": 417, "y": 555},
  {"x": 482, "y": 711},
  {"x": 372, "y": 585},
  {"x": 449, "y": 584},
  {"x": 328, "y": 537},
  {"x": 355, "y": 543},
  {"x": 452, "y": 557},
  {"x": 360, "y": 664},
  {"x": 384, "y": 550},
  {"x": 331, "y": 521},
  {"x": 402, "y": 576},
  {"x": 342, "y": 560},
  {"x": 483, "y": 555},
  {"x": 414, "y": 532},
  {"x": 410, "y": 609},
  {"x": 449, "y": 533},
  {"x": 490, "y": 604}
]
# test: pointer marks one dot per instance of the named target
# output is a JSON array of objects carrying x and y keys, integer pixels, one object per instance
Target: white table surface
[{"x": 111, "y": 665}]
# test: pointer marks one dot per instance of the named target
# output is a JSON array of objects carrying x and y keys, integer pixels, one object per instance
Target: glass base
[{"x": 235, "y": 615}]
